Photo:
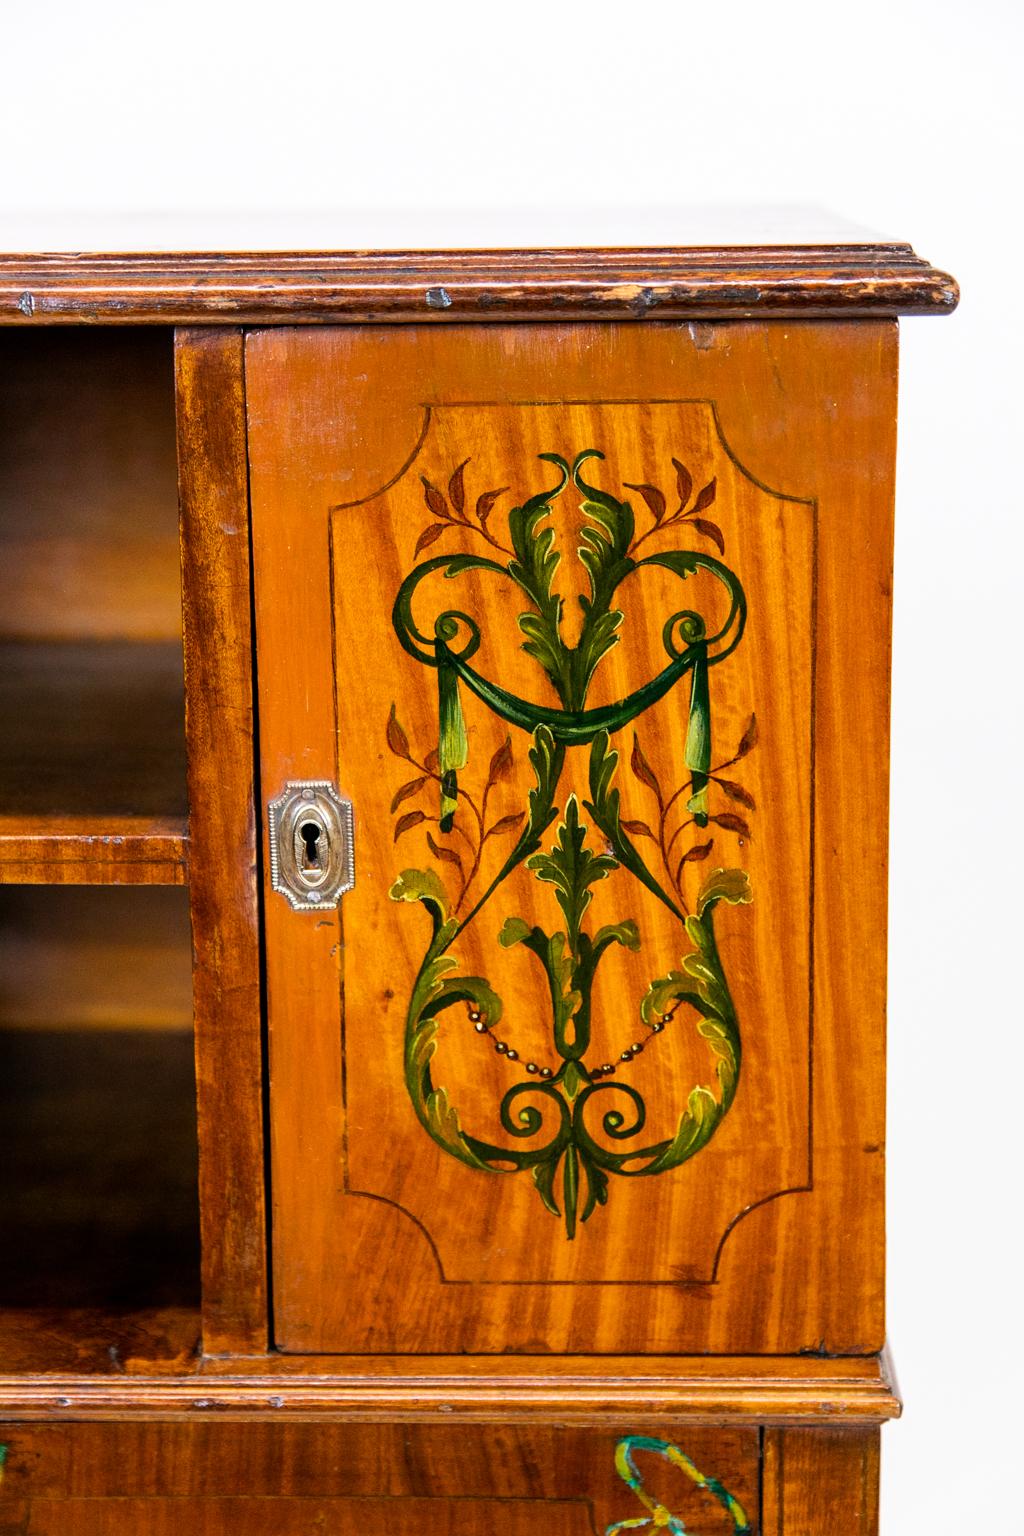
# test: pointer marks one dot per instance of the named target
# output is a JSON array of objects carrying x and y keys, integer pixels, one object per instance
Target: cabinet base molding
[{"x": 734, "y": 1390}]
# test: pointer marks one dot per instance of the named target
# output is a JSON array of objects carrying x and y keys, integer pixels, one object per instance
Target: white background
[{"x": 904, "y": 117}]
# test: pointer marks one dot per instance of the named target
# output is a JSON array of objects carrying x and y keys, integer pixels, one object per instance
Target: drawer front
[
  {"x": 370, "y": 1479},
  {"x": 587, "y": 626}
]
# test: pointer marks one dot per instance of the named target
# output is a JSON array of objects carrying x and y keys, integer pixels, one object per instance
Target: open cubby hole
[
  {"x": 91, "y": 677},
  {"x": 97, "y": 1083}
]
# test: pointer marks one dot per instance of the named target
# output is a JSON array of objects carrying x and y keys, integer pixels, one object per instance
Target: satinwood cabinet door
[{"x": 572, "y": 644}]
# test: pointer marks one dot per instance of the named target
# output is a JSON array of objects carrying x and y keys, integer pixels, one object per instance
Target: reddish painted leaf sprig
[
  {"x": 474, "y": 829},
  {"x": 672, "y": 859},
  {"x": 450, "y": 510},
  {"x": 657, "y": 506}
]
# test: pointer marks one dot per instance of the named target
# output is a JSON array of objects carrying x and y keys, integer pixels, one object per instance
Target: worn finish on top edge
[{"x": 735, "y": 283}]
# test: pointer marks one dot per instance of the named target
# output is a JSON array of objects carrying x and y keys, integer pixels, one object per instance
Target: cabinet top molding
[{"x": 401, "y": 287}]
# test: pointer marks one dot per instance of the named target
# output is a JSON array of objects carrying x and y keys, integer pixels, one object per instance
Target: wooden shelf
[
  {"x": 93, "y": 850},
  {"x": 92, "y": 764},
  {"x": 82, "y": 1341}
]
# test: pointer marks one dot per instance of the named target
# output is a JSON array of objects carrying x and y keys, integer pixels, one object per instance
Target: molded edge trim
[
  {"x": 721, "y": 1391},
  {"x": 359, "y": 287}
]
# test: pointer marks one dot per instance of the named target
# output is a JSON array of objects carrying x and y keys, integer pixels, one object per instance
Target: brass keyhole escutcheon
[{"x": 311, "y": 858}]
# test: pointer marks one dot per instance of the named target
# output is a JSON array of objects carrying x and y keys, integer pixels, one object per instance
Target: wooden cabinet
[
  {"x": 505, "y": 1073},
  {"x": 536, "y": 623}
]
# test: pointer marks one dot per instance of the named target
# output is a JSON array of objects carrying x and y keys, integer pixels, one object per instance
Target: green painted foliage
[
  {"x": 572, "y": 868},
  {"x": 573, "y": 1127}
]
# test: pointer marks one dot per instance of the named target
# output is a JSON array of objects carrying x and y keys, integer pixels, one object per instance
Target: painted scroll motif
[{"x": 571, "y": 1121}]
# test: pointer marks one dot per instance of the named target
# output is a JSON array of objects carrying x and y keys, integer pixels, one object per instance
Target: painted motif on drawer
[
  {"x": 576, "y": 1120},
  {"x": 573, "y": 683},
  {"x": 660, "y": 1516}
]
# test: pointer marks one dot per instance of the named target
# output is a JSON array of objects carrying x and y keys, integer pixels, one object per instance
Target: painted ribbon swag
[
  {"x": 552, "y": 1109},
  {"x": 659, "y": 1515}
]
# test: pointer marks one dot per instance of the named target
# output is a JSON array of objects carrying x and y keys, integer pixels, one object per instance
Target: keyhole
[{"x": 310, "y": 834}]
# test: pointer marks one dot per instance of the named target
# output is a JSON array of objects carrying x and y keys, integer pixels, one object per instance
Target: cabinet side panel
[
  {"x": 214, "y": 496},
  {"x": 816, "y": 1480}
]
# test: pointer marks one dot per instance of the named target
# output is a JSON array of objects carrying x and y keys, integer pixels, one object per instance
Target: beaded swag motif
[{"x": 550, "y": 1113}]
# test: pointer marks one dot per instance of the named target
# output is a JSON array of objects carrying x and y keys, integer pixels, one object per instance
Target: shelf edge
[
  {"x": 736, "y": 1398},
  {"x": 93, "y": 850}
]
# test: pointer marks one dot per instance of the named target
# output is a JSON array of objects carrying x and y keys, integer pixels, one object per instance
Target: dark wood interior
[
  {"x": 97, "y": 1083},
  {"x": 88, "y": 476},
  {"x": 92, "y": 750},
  {"x": 100, "y": 1148},
  {"x": 74, "y": 958},
  {"x": 92, "y": 728},
  {"x": 97, "y": 1099}
]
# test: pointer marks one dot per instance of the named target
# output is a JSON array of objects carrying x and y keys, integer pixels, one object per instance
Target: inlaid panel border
[{"x": 805, "y": 1187}]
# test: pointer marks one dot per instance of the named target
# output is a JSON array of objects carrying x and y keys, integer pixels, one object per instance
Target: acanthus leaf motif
[{"x": 547, "y": 1112}]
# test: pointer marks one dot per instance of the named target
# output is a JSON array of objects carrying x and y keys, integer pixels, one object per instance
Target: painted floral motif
[{"x": 550, "y": 1113}]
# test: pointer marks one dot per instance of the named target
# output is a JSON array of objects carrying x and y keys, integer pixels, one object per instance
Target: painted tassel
[
  {"x": 698, "y": 741},
  {"x": 452, "y": 745}
]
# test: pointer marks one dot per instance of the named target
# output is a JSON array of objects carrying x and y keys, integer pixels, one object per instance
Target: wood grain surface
[
  {"x": 790, "y": 1481},
  {"x": 146, "y": 1366},
  {"x": 245, "y": 1516},
  {"x": 93, "y": 850},
  {"x": 39, "y": 1343},
  {"x": 483, "y": 286},
  {"x": 381, "y": 1242},
  {"x": 362, "y": 1477},
  {"x": 820, "y": 1481},
  {"x": 223, "y": 854}
]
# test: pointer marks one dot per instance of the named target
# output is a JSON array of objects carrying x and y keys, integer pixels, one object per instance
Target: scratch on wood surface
[{"x": 633, "y": 296}]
